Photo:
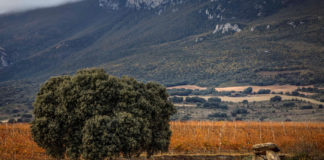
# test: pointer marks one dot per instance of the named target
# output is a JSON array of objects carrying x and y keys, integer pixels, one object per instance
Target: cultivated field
[
  {"x": 193, "y": 87},
  {"x": 16, "y": 143},
  {"x": 229, "y": 138},
  {"x": 238, "y": 137},
  {"x": 273, "y": 88}
]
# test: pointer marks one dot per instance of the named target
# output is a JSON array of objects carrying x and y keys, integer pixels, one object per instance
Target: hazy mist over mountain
[{"x": 9, "y": 6}]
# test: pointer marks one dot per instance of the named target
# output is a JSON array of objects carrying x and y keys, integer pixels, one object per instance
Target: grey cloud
[{"x": 9, "y": 6}]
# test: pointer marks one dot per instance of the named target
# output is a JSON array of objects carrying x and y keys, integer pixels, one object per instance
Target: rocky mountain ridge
[
  {"x": 214, "y": 9},
  {"x": 138, "y": 4}
]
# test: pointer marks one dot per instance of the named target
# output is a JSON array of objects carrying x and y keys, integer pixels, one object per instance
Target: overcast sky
[{"x": 9, "y": 6}]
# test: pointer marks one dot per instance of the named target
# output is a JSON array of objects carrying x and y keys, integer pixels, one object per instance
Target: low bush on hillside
[
  {"x": 214, "y": 100},
  {"x": 264, "y": 91},
  {"x": 248, "y": 90},
  {"x": 217, "y": 115},
  {"x": 176, "y": 99},
  {"x": 179, "y": 92},
  {"x": 306, "y": 107},
  {"x": 289, "y": 104},
  {"x": 239, "y": 111},
  {"x": 215, "y": 105},
  {"x": 275, "y": 99},
  {"x": 195, "y": 100}
]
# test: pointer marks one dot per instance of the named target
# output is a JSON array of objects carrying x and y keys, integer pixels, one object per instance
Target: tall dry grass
[
  {"x": 193, "y": 137},
  {"x": 239, "y": 137},
  {"x": 16, "y": 143}
]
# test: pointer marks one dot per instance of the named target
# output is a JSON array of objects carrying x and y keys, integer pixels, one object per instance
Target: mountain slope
[
  {"x": 74, "y": 38},
  {"x": 205, "y": 42},
  {"x": 286, "y": 47}
]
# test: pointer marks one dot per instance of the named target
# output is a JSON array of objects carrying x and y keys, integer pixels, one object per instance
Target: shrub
[
  {"x": 218, "y": 115},
  {"x": 289, "y": 104},
  {"x": 12, "y": 121},
  {"x": 245, "y": 101},
  {"x": 26, "y": 115},
  {"x": 248, "y": 90},
  {"x": 204, "y": 92},
  {"x": 214, "y": 100},
  {"x": 239, "y": 111},
  {"x": 215, "y": 105},
  {"x": 176, "y": 99},
  {"x": 264, "y": 91},
  {"x": 186, "y": 117},
  {"x": 180, "y": 92},
  {"x": 306, "y": 107},
  {"x": 295, "y": 93},
  {"x": 195, "y": 100},
  {"x": 275, "y": 99},
  {"x": 288, "y": 120}
]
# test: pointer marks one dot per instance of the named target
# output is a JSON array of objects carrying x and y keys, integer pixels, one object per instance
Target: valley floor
[{"x": 296, "y": 103}]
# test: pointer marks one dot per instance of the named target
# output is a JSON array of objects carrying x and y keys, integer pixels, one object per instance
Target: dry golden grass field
[
  {"x": 188, "y": 87},
  {"x": 273, "y": 88},
  {"x": 194, "y": 137}
]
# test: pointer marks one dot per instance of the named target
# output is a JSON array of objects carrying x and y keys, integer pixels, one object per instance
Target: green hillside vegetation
[{"x": 176, "y": 47}]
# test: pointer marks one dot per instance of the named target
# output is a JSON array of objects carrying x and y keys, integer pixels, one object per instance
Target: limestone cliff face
[{"x": 3, "y": 57}]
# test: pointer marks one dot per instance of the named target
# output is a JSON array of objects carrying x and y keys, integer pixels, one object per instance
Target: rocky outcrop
[
  {"x": 266, "y": 151},
  {"x": 3, "y": 56},
  {"x": 223, "y": 28},
  {"x": 138, "y": 4},
  {"x": 112, "y": 4}
]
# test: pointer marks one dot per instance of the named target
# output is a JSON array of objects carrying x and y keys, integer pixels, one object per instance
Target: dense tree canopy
[{"x": 100, "y": 116}]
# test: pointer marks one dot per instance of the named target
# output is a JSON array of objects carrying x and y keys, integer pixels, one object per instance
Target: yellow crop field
[
  {"x": 193, "y": 137},
  {"x": 17, "y": 143},
  {"x": 239, "y": 137}
]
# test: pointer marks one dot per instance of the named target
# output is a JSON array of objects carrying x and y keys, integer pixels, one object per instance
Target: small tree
[
  {"x": 275, "y": 99},
  {"x": 248, "y": 90},
  {"x": 176, "y": 99},
  {"x": 264, "y": 91},
  {"x": 195, "y": 100},
  {"x": 100, "y": 116},
  {"x": 214, "y": 100}
]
